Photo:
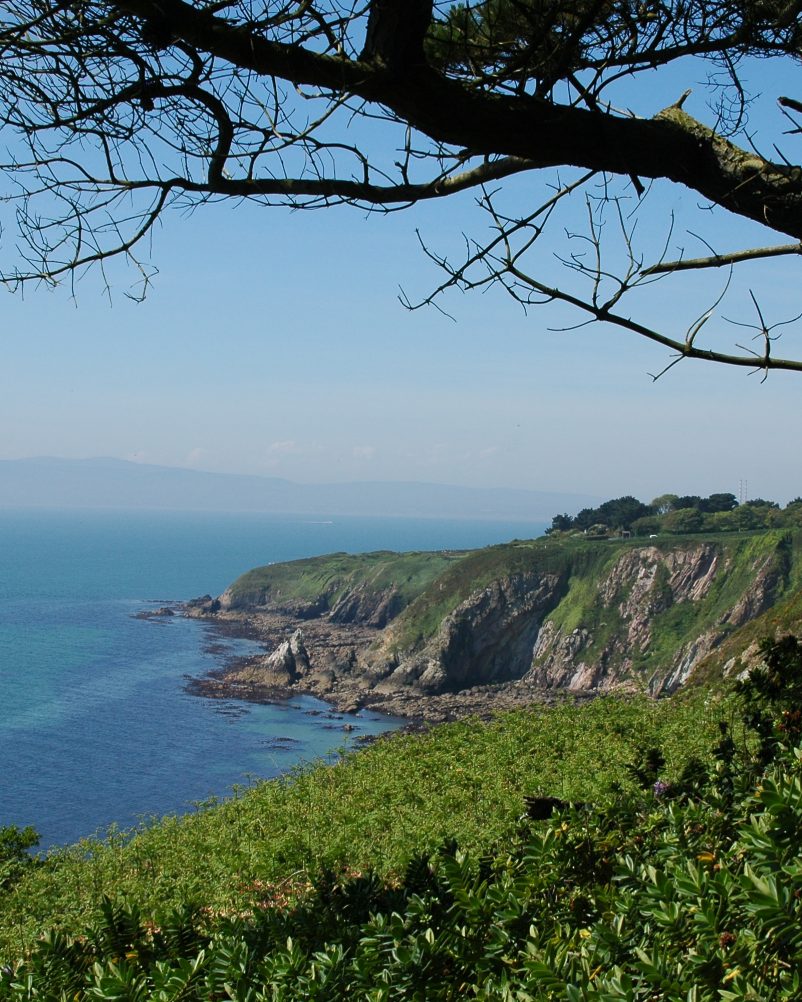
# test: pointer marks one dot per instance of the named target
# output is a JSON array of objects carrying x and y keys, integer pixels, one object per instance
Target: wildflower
[{"x": 660, "y": 788}]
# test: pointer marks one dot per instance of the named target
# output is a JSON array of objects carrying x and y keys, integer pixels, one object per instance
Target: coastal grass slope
[
  {"x": 418, "y": 590},
  {"x": 565, "y": 613},
  {"x": 676, "y": 620},
  {"x": 739, "y": 652},
  {"x": 373, "y": 809},
  {"x": 321, "y": 584},
  {"x": 476, "y": 571}
]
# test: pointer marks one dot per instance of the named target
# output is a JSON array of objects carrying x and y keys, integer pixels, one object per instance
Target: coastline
[{"x": 245, "y": 678}]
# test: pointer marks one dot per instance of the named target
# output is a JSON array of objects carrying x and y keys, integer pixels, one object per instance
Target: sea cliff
[{"x": 437, "y": 635}]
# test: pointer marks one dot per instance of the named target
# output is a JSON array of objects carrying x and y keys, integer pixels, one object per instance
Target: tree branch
[
  {"x": 395, "y": 33},
  {"x": 685, "y": 348},
  {"x": 722, "y": 260},
  {"x": 671, "y": 145},
  {"x": 128, "y": 106}
]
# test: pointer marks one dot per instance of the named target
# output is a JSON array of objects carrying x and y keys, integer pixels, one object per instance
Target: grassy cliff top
[
  {"x": 329, "y": 578},
  {"x": 429, "y": 585}
]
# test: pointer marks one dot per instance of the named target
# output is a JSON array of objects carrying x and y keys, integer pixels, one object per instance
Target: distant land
[{"x": 115, "y": 483}]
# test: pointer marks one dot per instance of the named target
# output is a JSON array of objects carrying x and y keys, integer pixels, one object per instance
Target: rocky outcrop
[
  {"x": 487, "y": 639},
  {"x": 668, "y": 680},
  {"x": 760, "y": 596},
  {"x": 558, "y": 662},
  {"x": 237, "y": 601},
  {"x": 643, "y": 584},
  {"x": 163, "y": 612},
  {"x": 367, "y": 607},
  {"x": 361, "y": 605},
  {"x": 288, "y": 663}
]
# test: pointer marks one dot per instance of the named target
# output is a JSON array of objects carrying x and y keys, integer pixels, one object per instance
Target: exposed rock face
[
  {"x": 759, "y": 597},
  {"x": 363, "y": 606},
  {"x": 367, "y": 607},
  {"x": 643, "y": 583},
  {"x": 556, "y": 657},
  {"x": 231, "y": 601},
  {"x": 488, "y": 638},
  {"x": 687, "y": 657}
]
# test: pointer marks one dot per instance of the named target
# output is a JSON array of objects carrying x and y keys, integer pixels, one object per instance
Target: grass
[
  {"x": 326, "y": 580},
  {"x": 374, "y": 809}
]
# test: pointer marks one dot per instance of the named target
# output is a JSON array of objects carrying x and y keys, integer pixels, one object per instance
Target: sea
[{"x": 98, "y": 731}]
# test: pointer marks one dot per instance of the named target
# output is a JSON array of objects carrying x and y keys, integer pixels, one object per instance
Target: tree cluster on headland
[{"x": 678, "y": 514}]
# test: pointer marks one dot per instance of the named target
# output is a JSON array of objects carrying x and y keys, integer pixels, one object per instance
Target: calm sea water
[{"x": 96, "y": 727}]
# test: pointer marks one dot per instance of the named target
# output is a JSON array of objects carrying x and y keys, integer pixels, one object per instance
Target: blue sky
[{"x": 274, "y": 343}]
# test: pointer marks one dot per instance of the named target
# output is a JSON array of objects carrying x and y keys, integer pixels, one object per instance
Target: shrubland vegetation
[
  {"x": 417, "y": 870},
  {"x": 373, "y": 810},
  {"x": 679, "y": 515}
]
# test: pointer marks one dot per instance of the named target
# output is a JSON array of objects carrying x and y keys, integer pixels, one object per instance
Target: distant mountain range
[{"x": 115, "y": 483}]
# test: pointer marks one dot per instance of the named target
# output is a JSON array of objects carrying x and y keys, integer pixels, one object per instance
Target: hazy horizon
[
  {"x": 564, "y": 500},
  {"x": 107, "y": 482}
]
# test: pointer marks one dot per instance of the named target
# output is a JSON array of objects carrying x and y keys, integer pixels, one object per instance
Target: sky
[{"x": 274, "y": 343}]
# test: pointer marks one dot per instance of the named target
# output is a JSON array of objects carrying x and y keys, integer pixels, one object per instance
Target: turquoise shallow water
[{"x": 96, "y": 726}]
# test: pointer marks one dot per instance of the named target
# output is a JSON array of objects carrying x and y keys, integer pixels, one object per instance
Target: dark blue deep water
[{"x": 96, "y": 726}]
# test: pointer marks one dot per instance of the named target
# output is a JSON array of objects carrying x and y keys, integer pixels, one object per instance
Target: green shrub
[{"x": 15, "y": 858}]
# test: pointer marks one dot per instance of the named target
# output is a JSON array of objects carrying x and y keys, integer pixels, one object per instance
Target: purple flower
[{"x": 660, "y": 788}]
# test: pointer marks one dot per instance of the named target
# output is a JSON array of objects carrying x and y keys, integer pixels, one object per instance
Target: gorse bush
[{"x": 686, "y": 887}]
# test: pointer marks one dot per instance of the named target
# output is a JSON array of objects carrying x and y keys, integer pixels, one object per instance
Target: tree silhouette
[{"x": 117, "y": 111}]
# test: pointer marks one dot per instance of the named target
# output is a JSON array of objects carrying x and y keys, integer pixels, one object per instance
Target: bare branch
[
  {"x": 501, "y": 261},
  {"x": 684, "y": 348},
  {"x": 722, "y": 260}
]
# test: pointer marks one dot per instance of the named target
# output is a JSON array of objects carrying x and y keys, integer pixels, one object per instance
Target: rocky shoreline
[{"x": 316, "y": 657}]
